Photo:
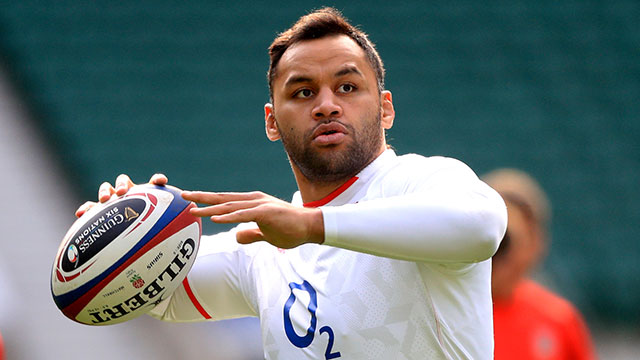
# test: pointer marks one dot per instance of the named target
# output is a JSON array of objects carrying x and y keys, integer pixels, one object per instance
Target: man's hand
[
  {"x": 123, "y": 184},
  {"x": 279, "y": 223}
]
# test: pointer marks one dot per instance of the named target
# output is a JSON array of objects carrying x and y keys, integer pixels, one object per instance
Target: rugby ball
[{"x": 122, "y": 257}]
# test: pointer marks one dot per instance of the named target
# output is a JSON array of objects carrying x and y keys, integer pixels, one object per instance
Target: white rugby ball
[{"x": 123, "y": 257}]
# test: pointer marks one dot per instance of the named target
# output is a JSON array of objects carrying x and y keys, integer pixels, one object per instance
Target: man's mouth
[{"x": 329, "y": 134}]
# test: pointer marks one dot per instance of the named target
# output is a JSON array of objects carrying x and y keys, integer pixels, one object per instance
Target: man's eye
[
  {"x": 304, "y": 93},
  {"x": 346, "y": 88}
]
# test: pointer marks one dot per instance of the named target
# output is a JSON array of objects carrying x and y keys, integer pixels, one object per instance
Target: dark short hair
[{"x": 318, "y": 24}]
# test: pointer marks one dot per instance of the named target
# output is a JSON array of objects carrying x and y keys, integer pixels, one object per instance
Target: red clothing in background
[
  {"x": 537, "y": 324},
  {"x": 1, "y": 348}
]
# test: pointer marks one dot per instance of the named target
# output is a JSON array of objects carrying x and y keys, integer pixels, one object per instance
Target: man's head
[
  {"x": 318, "y": 24},
  {"x": 326, "y": 104},
  {"x": 526, "y": 238}
]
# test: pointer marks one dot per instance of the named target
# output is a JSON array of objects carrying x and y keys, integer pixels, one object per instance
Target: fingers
[
  {"x": 223, "y": 214},
  {"x": 159, "y": 179},
  {"x": 232, "y": 207},
  {"x": 226, "y": 208},
  {"x": 249, "y": 236},
  {"x": 105, "y": 191},
  {"x": 219, "y": 198},
  {"x": 84, "y": 208},
  {"x": 123, "y": 184}
]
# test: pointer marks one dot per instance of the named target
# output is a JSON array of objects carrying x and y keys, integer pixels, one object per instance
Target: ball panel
[{"x": 100, "y": 231}]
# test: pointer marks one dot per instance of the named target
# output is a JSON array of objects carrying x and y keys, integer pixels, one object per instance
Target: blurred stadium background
[{"x": 90, "y": 90}]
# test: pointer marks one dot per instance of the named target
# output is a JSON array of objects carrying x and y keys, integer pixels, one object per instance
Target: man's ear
[
  {"x": 270, "y": 126},
  {"x": 388, "y": 111}
]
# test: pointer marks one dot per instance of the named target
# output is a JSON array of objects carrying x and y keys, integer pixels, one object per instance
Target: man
[
  {"x": 530, "y": 321},
  {"x": 377, "y": 256}
]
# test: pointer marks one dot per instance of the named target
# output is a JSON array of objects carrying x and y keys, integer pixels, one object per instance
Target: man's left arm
[
  {"x": 454, "y": 218},
  {"x": 460, "y": 223}
]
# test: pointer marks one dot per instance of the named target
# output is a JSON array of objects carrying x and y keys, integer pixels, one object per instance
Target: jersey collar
[{"x": 363, "y": 176}]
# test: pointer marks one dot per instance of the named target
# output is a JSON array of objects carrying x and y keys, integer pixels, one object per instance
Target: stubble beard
[{"x": 329, "y": 165}]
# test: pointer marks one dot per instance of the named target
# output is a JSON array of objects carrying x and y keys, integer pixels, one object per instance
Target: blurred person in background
[{"x": 530, "y": 321}]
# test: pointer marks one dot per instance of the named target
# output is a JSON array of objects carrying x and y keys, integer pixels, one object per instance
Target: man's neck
[{"x": 313, "y": 191}]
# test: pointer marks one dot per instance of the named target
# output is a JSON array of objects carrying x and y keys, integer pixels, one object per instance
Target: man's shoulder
[
  {"x": 416, "y": 165},
  {"x": 412, "y": 173},
  {"x": 435, "y": 161}
]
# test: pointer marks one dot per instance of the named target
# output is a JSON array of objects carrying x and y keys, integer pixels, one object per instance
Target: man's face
[{"x": 327, "y": 109}]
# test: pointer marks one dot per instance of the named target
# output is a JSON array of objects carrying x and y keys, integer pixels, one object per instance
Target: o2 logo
[{"x": 307, "y": 339}]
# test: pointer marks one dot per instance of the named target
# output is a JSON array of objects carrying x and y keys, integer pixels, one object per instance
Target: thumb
[{"x": 249, "y": 236}]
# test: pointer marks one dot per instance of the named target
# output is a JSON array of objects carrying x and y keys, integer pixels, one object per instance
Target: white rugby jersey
[{"x": 404, "y": 272}]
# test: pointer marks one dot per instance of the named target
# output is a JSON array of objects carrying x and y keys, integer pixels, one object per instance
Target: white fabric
[
  {"x": 437, "y": 206},
  {"x": 417, "y": 285}
]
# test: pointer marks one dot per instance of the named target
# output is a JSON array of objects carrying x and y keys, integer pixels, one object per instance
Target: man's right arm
[{"x": 215, "y": 287}]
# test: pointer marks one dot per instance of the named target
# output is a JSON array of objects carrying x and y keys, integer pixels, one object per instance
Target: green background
[{"x": 550, "y": 87}]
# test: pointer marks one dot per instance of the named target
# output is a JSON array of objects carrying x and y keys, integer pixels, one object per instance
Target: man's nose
[{"x": 326, "y": 105}]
